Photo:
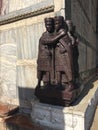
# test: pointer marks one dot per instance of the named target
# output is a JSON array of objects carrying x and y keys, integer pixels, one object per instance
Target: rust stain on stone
[{"x": 22, "y": 121}]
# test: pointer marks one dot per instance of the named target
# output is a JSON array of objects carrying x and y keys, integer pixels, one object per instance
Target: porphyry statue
[{"x": 55, "y": 63}]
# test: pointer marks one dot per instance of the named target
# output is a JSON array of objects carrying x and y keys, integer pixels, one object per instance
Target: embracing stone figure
[
  {"x": 75, "y": 51},
  {"x": 55, "y": 64},
  {"x": 45, "y": 62}
]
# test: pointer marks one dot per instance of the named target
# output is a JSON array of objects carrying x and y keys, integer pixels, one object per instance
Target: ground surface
[{"x": 11, "y": 119}]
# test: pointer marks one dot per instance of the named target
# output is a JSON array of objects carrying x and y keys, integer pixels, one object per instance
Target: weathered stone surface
[
  {"x": 82, "y": 15},
  {"x": 7, "y": 109},
  {"x": 13, "y": 5},
  {"x": 95, "y": 123},
  {"x": 82, "y": 57},
  {"x": 18, "y": 54},
  {"x": 18, "y": 122},
  {"x": 8, "y": 69},
  {"x": 22, "y": 122}
]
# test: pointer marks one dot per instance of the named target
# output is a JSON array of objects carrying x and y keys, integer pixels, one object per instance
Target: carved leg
[
  {"x": 39, "y": 76},
  {"x": 59, "y": 78},
  {"x": 46, "y": 78}
]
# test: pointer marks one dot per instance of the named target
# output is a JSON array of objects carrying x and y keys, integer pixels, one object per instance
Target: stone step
[
  {"x": 11, "y": 119},
  {"x": 95, "y": 121}
]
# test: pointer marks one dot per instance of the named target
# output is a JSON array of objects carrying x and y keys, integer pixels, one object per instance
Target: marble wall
[
  {"x": 18, "y": 54},
  {"x": 83, "y": 15},
  {"x": 8, "y": 60},
  {"x": 10, "y": 6},
  {"x": 14, "y": 5}
]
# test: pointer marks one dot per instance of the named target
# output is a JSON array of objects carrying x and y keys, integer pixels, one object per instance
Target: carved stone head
[
  {"x": 49, "y": 24},
  {"x": 59, "y": 22},
  {"x": 70, "y": 25}
]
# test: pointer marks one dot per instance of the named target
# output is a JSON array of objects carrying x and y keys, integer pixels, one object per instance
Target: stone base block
[
  {"x": 56, "y": 96},
  {"x": 76, "y": 117}
]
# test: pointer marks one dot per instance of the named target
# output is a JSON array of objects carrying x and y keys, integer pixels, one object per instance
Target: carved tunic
[
  {"x": 63, "y": 59},
  {"x": 43, "y": 57},
  {"x": 44, "y": 60}
]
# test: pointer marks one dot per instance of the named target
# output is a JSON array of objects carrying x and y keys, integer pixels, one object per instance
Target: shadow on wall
[{"x": 25, "y": 97}]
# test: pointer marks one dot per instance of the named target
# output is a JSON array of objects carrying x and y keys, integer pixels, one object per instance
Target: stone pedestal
[
  {"x": 55, "y": 95},
  {"x": 77, "y": 117}
]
